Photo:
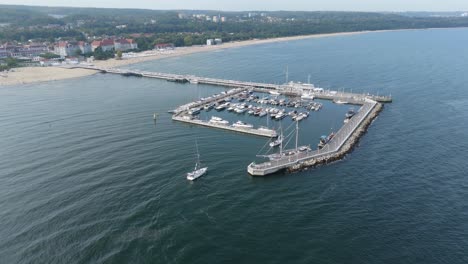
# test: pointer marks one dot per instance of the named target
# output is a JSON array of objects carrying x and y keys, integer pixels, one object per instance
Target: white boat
[
  {"x": 240, "y": 110},
  {"x": 340, "y": 102},
  {"x": 194, "y": 111},
  {"x": 299, "y": 117},
  {"x": 307, "y": 96},
  {"x": 218, "y": 120},
  {"x": 262, "y": 113},
  {"x": 198, "y": 171},
  {"x": 241, "y": 124},
  {"x": 274, "y": 92},
  {"x": 194, "y": 81},
  {"x": 280, "y": 116},
  {"x": 220, "y": 107},
  {"x": 277, "y": 142}
]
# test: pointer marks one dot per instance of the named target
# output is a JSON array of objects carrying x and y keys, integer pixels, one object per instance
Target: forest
[{"x": 181, "y": 27}]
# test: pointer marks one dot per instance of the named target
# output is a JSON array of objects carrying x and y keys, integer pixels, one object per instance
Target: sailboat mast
[
  {"x": 268, "y": 117},
  {"x": 297, "y": 133},
  {"x": 198, "y": 154},
  {"x": 287, "y": 74},
  {"x": 281, "y": 141}
]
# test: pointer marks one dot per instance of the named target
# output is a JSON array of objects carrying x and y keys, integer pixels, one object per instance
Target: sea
[{"x": 87, "y": 175}]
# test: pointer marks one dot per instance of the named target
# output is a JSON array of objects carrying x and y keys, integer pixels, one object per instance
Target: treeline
[{"x": 166, "y": 26}]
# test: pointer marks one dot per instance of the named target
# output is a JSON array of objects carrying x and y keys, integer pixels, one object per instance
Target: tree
[
  {"x": 188, "y": 41},
  {"x": 11, "y": 62},
  {"x": 119, "y": 54},
  {"x": 78, "y": 52}
]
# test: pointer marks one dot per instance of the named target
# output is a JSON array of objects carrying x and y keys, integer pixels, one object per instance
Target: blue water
[{"x": 88, "y": 177}]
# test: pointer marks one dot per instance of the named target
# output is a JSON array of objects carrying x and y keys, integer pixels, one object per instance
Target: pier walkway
[{"x": 287, "y": 89}]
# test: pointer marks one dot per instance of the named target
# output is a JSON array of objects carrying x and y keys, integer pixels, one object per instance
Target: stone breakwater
[{"x": 352, "y": 141}]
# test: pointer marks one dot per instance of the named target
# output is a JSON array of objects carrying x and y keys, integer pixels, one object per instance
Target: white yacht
[
  {"x": 241, "y": 124},
  {"x": 307, "y": 96},
  {"x": 198, "y": 171},
  {"x": 274, "y": 92},
  {"x": 218, "y": 121}
]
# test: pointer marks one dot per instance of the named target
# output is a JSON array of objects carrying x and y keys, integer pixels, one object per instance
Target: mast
[
  {"x": 281, "y": 142},
  {"x": 198, "y": 154},
  {"x": 287, "y": 74},
  {"x": 297, "y": 133},
  {"x": 268, "y": 117},
  {"x": 308, "y": 79}
]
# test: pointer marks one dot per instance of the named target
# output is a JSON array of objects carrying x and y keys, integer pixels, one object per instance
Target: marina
[{"x": 330, "y": 148}]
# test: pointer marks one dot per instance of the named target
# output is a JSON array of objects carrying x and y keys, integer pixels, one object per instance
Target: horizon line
[{"x": 236, "y": 11}]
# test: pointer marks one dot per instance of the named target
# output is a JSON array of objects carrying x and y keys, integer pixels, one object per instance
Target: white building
[
  {"x": 210, "y": 42},
  {"x": 85, "y": 47},
  {"x": 215, "y": 19},
  {"x": 65, "y": 48},
  {"x": 218, "y": 41}
]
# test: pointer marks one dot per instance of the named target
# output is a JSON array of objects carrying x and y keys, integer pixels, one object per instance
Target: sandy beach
[{"x": 42, "y": 74}]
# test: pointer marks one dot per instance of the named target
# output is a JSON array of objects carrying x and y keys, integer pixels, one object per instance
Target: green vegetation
[
  {"x": 49, "y": 56},
  {"x": 119, "y": 54},
  {"x": 151, "y": 27},
  {"x": 99, "y": 54}
]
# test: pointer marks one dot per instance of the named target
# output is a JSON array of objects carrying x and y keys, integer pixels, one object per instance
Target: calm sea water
[{"x": 88, "y": 177}]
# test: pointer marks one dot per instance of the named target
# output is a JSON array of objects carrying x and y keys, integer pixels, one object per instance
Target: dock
[
  {"x": 252, "y": 131},
  {"x": 331, "y": 151},
  {"x": 341, "y": 144},
  {"x": 292, "y": 89}
]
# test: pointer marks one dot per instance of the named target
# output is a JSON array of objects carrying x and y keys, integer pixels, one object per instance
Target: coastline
[{"x": 29, "y": 75}]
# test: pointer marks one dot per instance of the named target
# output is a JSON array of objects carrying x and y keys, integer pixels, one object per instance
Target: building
[
  {"x": 210, "y": 42},
  {"x": 164, "y": 46},
  {"x": 215, "y": 19},
  {"x": 133, "y": 44},
  {"x": 122, "y": 45},
  {"x": 85, "y": 47},
  {"x": 105, "y": 44},
  {"x": 218, "y": 41},
  {"x": 66, "y": 48},
  {"x": 223, "y": 19},
  {"x": 3, "y": 53},
  {"x": 22, "y": 51}
]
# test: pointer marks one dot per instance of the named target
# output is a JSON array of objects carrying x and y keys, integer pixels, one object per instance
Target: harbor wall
[{"x": 347, "y": 147}]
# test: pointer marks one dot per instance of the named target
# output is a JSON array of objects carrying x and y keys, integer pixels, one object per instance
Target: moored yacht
[
  {"x": 218, "y": 121},
  {"x": 241, "y": 124}
]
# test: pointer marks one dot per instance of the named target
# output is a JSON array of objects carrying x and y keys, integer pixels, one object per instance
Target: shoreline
[{"x": 28, "y": 75}]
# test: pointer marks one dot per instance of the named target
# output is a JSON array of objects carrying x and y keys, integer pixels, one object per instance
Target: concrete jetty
[
  {"x": 263, "y": 132},
  {"x": 293, "y": 89},
  {"x": 341, "y": 143}
]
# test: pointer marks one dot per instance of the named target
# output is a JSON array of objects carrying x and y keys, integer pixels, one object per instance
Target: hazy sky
[{"x": 346, "y": 5}]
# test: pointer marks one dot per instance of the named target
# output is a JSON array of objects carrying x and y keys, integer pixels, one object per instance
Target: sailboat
[{"x": 197, "y": 172}]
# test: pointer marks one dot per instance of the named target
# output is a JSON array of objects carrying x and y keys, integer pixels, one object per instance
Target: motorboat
[{"x": 240, "y": 124}]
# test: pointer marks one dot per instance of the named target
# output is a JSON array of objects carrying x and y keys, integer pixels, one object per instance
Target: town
[{"x": 73, "y": 52}]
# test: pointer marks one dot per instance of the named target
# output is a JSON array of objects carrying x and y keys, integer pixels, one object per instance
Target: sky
[{"x": 263, "y": 5}]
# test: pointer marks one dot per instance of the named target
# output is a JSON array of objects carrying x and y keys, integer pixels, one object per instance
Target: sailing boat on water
[{"x": 198, "y": 171}]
